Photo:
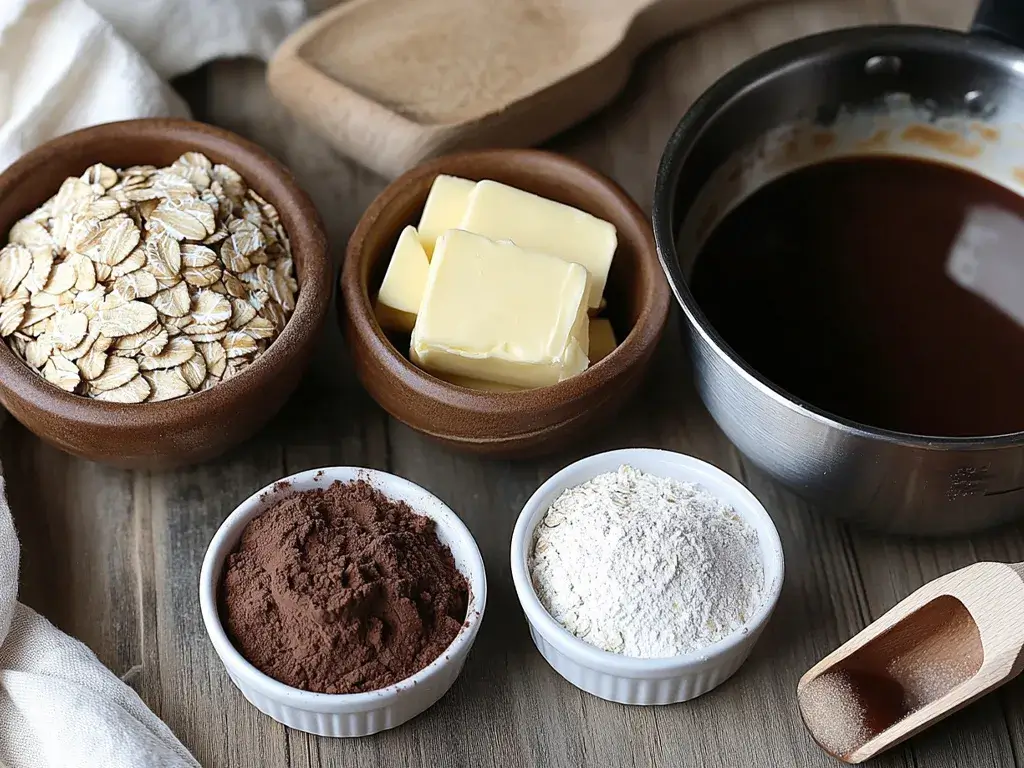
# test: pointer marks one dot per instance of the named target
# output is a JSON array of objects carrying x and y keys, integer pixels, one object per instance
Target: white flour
[{"x": 645, "y": 566}]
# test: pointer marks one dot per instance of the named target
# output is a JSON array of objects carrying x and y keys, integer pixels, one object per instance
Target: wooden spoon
[
  {"x": 392, "y": 82},
  {"x": 949, "y": 643}
]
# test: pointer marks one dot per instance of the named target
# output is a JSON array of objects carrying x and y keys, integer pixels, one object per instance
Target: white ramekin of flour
[{"x": 604, "y": 509}]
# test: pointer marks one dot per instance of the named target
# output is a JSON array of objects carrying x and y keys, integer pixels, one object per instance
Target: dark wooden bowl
[
  {"x": 202, "y": 425},
  {"x": 515, "y": 424}
]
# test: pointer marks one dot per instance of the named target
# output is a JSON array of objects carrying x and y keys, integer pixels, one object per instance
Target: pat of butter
[
  {"x": 602, "y": 339},
  {"x": 400, "y": 294},
  {"x": 502, "y": 212},
  {"x": 496, "y": 312},
  {"x": 444, "y": 209}
]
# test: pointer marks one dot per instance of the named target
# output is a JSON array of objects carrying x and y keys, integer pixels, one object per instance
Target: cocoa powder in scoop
[{"x": 342, "y": 590}]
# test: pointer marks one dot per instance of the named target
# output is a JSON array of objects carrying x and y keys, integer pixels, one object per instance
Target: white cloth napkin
[{"x": 64, "y": 66}]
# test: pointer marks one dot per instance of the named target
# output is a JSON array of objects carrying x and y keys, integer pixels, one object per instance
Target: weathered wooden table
[{"x": 113, "y": 557}]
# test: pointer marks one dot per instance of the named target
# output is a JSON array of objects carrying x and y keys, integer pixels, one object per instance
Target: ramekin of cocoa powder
[{"x": 343, "y": 601}]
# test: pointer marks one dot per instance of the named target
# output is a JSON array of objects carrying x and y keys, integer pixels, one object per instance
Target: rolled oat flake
[{"x": 646, "y": 566}]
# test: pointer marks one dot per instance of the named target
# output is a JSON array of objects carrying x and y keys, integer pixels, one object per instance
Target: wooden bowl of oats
[{"x": 162, "y": 285}]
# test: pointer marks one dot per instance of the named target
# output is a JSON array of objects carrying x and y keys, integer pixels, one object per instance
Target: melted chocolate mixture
[{"x": 888, "y": 291}]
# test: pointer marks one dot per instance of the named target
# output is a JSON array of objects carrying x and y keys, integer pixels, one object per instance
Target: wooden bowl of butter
[{"x": 502, "y": 301}]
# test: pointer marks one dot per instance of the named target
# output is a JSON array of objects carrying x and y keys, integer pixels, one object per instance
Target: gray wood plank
[
  {"x": 77, "y": 534},
  {"x": 1007, "y": 546},
  {"x": 954, "y": 14}
]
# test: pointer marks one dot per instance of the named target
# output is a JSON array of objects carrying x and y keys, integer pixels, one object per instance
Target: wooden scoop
[
  {"x": 951, "y": 642},
  {"x": 392, "y": 82}
]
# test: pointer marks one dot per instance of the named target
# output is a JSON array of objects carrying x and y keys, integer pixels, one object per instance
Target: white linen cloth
[{"x": 64, "y": 66}]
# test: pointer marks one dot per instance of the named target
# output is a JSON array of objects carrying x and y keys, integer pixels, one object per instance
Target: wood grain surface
[{"x": 114, "y": 556}]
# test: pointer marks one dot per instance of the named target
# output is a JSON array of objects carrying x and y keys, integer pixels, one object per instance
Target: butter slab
[
  {"x": 400, "y": 293},
  {"x": 444, "y": 209},
  {"x": 497, "y": 312},
  {"x": 535, "y": 223}
]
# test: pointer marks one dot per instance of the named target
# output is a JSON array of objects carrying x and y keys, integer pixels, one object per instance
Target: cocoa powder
[{"x": 342, "y": 590}]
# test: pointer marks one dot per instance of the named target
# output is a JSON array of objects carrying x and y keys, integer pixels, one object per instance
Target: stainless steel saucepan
[{"x": 903, "y": 90}]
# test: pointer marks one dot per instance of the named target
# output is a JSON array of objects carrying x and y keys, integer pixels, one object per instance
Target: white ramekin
[
  {"x": 357, "y": 714},
  {"x": 645, "y": 681}
]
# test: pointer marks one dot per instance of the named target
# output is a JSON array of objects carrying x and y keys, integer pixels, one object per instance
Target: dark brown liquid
[{"x": 834, "y": 282}]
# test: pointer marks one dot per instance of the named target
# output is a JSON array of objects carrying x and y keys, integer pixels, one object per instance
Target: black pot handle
[{"x": 1002, "y": 20}]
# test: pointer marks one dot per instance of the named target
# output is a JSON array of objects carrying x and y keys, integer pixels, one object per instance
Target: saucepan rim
[{"x": 687, "y": 135}]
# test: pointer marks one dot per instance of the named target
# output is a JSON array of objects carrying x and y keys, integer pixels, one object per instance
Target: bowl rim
[
  {"x": 645, "y": 459},
  {"x": 306, "y": 235},
  {"x": 422, "y": 502},
  {"x": 630, "y": 351}
]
